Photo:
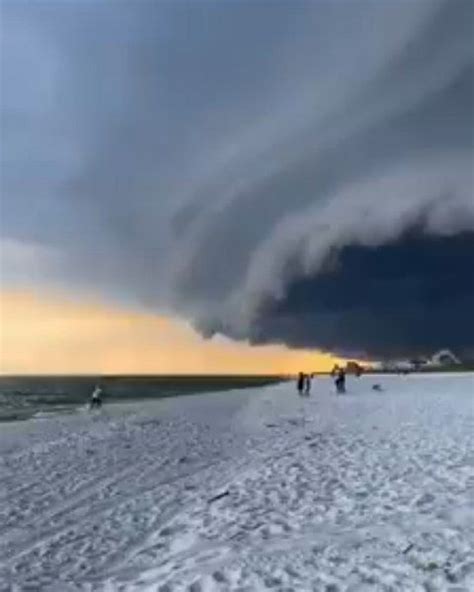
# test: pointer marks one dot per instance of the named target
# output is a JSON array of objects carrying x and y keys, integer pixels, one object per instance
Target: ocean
[{"x": 26, "y": 397}]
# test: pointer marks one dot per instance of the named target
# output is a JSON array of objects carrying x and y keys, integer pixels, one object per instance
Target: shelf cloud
[{"x": 276, "y": 172}]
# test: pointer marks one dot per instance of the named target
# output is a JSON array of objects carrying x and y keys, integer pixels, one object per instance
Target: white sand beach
[{"x": 247, "y": 490}]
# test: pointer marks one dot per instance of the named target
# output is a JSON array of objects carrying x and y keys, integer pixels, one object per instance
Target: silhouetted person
[
  {"x": 307, "y": 384},
  {"x": 300, "y": 383},
  {"x": 340, "y": 381}
]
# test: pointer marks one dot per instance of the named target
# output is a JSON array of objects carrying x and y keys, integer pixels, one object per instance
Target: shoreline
[{"x": 39, "y": 397}]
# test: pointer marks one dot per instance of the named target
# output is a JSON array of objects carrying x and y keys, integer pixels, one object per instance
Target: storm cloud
[{"x": 275, "y": 171}]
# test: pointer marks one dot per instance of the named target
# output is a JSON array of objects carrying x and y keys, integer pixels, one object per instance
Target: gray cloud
[{"x": 211, "y": 158}]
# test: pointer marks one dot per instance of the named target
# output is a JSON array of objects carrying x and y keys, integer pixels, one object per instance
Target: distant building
[
  {"x": 354, "y": 368},
  {"x": 444, "y": 357},
  {"x": 402, "y": 366},
  {"x": 418, "y": 363},
  {"x": 441, "y": 359}
]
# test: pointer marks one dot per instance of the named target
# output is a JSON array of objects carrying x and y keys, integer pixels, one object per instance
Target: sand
[{"x": 256, "y": 489}]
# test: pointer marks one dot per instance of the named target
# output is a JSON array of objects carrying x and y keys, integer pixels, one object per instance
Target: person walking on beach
[
  {"x": 300, "y": 383},
  {"x": 96, "y": 398},
  {"x": 307, "y": 385},
  {"x": 340, "y": 381}
]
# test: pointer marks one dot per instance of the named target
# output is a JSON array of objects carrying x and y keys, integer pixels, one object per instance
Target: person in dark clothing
[
  {"x": 307, "y": 385},
  {"x": 300, "y": 383},
  {"x": 340, "y": 381},
  {"x": 313, "y": 378}
]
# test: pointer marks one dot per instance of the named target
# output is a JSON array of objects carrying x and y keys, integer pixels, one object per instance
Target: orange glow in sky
[{"x": 48, "y": 334}]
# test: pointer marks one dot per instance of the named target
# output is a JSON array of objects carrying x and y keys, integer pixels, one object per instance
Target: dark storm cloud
[
  {"x": 419, "y": 290},
  {"x": 250, "y": 165}
]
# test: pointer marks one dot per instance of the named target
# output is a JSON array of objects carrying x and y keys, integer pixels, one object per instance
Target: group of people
[{"x": 303, "y": 383}]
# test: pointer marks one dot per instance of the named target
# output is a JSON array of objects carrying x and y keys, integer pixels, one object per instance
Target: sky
[
  {"x": 278, "y": 173},
  {"x": 49, "y": 334}
]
